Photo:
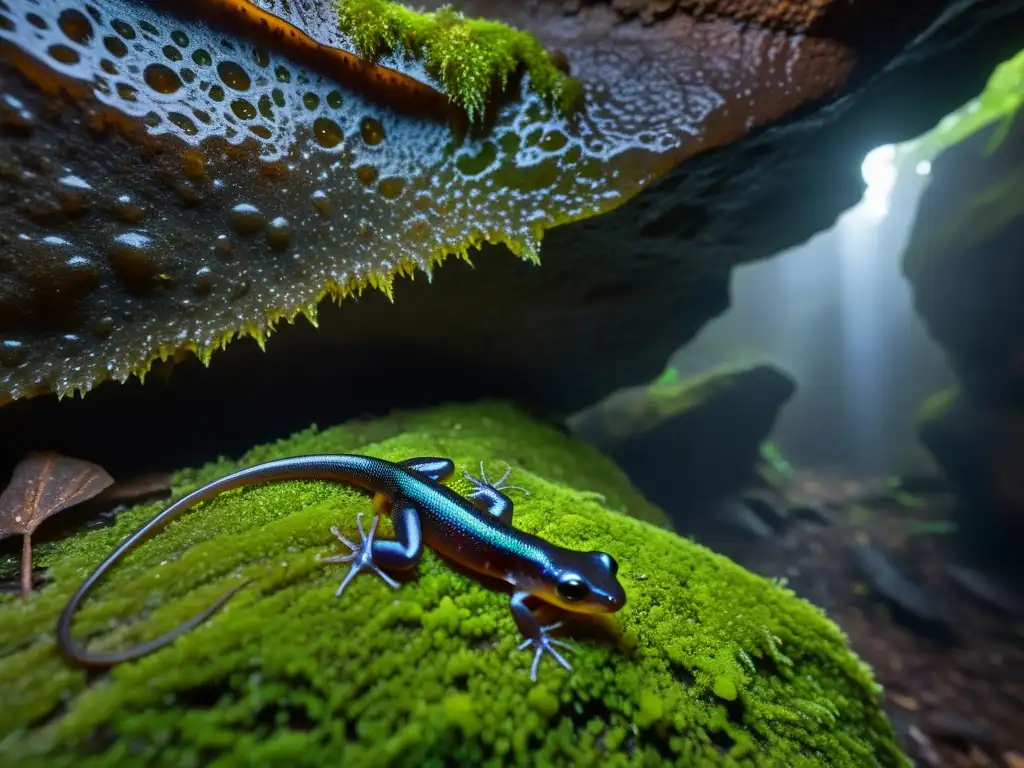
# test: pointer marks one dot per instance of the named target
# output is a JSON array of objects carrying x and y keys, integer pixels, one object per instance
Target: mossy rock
[{"x": 706, "y": 665}]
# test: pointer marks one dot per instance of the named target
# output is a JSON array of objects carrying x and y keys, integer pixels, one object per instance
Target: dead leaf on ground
[{"x": 42, "y": 485}]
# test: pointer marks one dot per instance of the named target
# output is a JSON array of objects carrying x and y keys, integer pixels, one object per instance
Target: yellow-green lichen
[
  {"x": 428, "y": 674},
  {"x": 468, "y": 56}
]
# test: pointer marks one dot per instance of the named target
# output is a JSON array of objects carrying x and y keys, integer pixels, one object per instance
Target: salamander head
[{"x": 584, "y": 582}]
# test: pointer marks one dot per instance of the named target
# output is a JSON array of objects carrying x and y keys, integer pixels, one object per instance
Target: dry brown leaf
[{"x": 42, "y": 485}]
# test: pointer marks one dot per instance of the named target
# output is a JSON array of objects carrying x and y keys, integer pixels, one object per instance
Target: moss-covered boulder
[
  {"x": 706, "y": 665},
  {"x": 688, "y": 442}
]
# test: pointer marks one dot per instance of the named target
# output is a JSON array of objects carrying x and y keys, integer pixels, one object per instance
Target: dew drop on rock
[
  {"x": 243, "y": 109},
  {"x": 321, "y": 202},
  {"x": 367, "y": 174},
  {"x": 372, "y": 131},
  {"x": 64, "y": 54},
  {"x": 75, "y": 25},
  {"x": 162, "y": 78},
  {"x": 391, "y": 188},
  {"x": 12, "y": 353},
  {"x": 204, "y": 281},
  {"x": 246, "y": 219},
  {"x": 328, "y": 133},
  {"x": 279, "y": 233},
  {"x": 103, "y": 327},
  {"x": 233, "y": 75},
  {"x": 131, "y": 257}
]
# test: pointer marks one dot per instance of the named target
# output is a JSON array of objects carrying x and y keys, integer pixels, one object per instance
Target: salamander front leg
[
  {"x": 372, "y": 554},
  {"x": 536, "y": 635},
  {"x": 489, "y": 495},
  {"x": 361, "y": 557}
]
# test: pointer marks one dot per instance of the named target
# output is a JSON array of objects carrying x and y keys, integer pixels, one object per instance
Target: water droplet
[
  {"x": 553, "y": 141},
  {"x": 217, "y": 93},
  {"x": 124, "y": 29},
  {"x": 63, "y": 53},
  {"x": 116, "y": 46},
  {"x": 75, "y": 25},
  {"x": 391, "y": 188},
  {"x": 79, "y": 276},
  {"x": 204, "y": 280},
  {"x": 103, "y": 327},
  {"x": 279, "y": 233},
  {"x": 246, "y": 219},
  {"x": 172, "y": 53},
  {"x": 12, "y": 353},
  {"x": 367, "y": 174},
  {"x": 180, "y": 38},
  {"x": 282, "y": 74},
  {"x": 126, "y": 209},
  {"x": 328, "y": 133},
  {"x": 183, "y": 122},
  {"x": 162, "y": 78},
  {"x": 334, "y": 100},
  {"x": 202, "y": 57},
  {"x": 233, "y": 75},
  {"x": 243, "y": 109},
  {"x": 108, "y": 66},
  {"x": 321, "y": 202},
  {"x": 311, "y": 101},
  {"x": 223, "y": 247},
  {"x": 131, "y": 258},
  {"x": 372, "y": 131},
  {"x": 126, "y": 92},
  {"x": 36, "y": 21}
]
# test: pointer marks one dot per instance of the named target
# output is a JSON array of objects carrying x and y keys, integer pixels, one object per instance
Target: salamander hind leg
[{"x": 489, "y": 495}]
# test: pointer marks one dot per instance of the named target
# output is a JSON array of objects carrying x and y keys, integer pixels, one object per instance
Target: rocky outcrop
[
  {"x": 966, "y": 265},
  {"x": 688, "y": 443},
  {"x": 617, "y": 293}
]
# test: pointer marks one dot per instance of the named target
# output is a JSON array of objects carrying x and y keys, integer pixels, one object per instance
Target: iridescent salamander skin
[{"x": 475, "y": 531}]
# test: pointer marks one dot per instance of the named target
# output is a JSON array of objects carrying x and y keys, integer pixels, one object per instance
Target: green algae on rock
[
  {"x": 178, "y": 183},
  {"x": 707, "y": 664},
  {"x": 468, "y": 56}
]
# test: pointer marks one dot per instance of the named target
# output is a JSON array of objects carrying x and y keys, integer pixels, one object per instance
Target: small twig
[{"x": 26, "y": 565}]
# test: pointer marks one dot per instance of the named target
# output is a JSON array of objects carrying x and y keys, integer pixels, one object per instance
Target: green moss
[
  {"x": 428, "y": 674},
  {"x": 938, "y": 404},
  {"x": 468, "y": 56},
  {"x": 1001, "y": 101}
]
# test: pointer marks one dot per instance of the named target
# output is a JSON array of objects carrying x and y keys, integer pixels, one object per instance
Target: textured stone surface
[{"x": 614, "y": 294}]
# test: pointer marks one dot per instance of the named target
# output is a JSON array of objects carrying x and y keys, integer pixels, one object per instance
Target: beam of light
[{"x": 879, "y": 172}]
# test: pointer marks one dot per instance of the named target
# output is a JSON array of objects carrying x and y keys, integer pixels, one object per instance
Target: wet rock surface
[{"x": 614, "y": 295}]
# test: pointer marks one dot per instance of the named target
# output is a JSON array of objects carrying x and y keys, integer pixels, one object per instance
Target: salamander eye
[{"x": 572, "y": 588}]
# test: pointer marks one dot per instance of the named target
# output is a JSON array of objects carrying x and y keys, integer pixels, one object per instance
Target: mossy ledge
[
  {"x": 469, "y": 56},
  {"x": 707, "y": 664}
]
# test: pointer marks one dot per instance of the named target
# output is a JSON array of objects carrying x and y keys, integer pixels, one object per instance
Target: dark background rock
[
  {"x": 614, "y": 297},
  {"x": 968, "y": 281},
  {"x": 692, "y": 442}
]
